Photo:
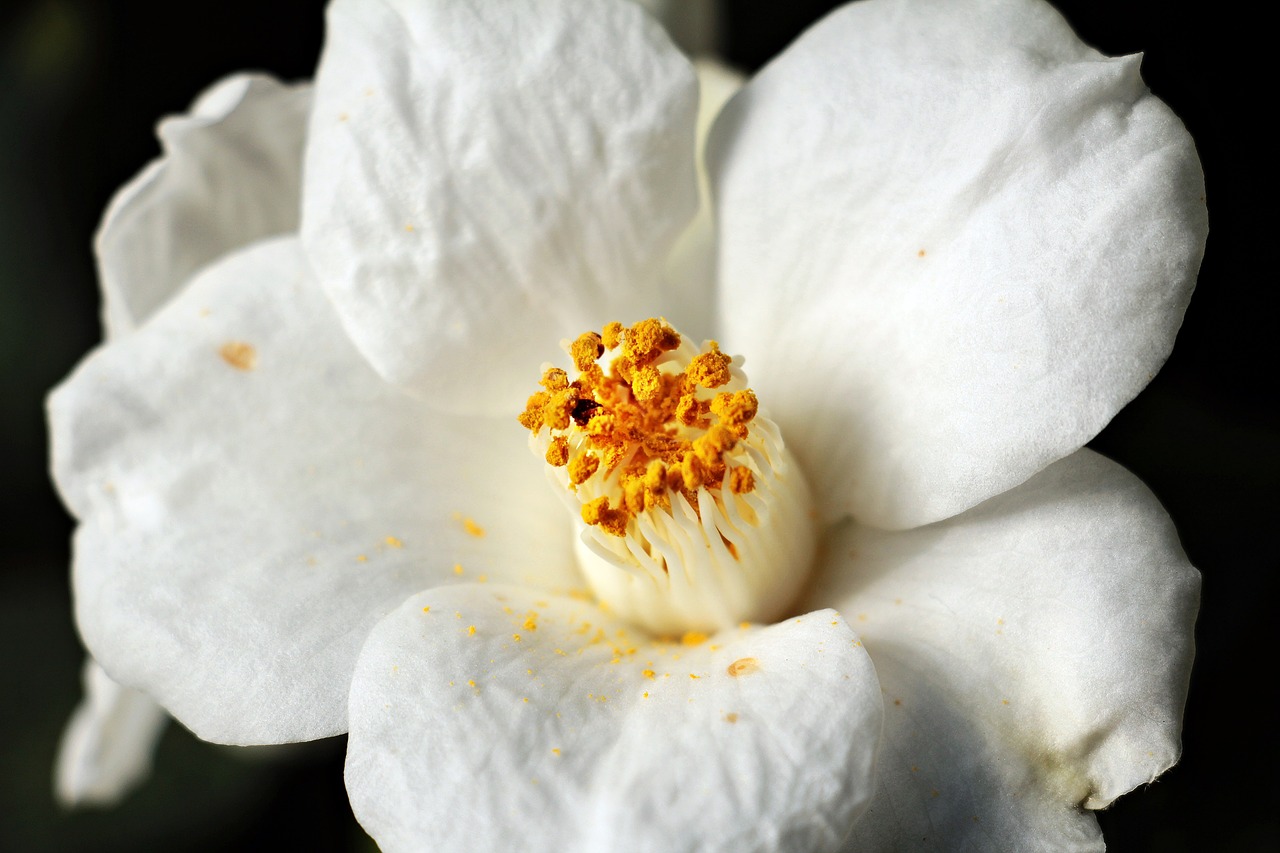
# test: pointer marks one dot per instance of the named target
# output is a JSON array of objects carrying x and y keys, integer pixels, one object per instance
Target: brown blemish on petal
[
  {"x": 743, "y": 666},
  {"x": 240, "y": 355}
]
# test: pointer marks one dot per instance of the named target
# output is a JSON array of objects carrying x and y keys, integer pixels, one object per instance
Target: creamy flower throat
[{"x": 693, "y": 514}]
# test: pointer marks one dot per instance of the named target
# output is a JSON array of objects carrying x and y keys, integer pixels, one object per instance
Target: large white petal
[
  {"x": 690, "y": 273},
  {"x": 955, "y": 241},
  {"x": 231, "y": 173},
  {"x": 253, "y": 498},
  {"x": 1034, "y": 654},
  {"x": 473, "y": 730},
  {"x": 107, "y": 746},
  {"x": 491, "y": 178}
]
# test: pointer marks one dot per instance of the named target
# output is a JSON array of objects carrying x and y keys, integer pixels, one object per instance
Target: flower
[{"x": 951, "y": 242}]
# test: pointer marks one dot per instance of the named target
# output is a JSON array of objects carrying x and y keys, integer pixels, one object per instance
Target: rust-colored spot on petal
[
  {"x": 742, "y": 666},
  {"x": 240, "y": 355}
]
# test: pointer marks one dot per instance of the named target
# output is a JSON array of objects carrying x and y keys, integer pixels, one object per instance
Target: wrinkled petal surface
[
  {"x": 253, "y": 498},
  {"x": 483, "y": 718},
  {"x": 493, "y": 178},
  {"x": 954, "y": 242},
  {"x": 107, "y": 746},
  {"x": 231, "y": 173},
  {"x": 1034, "y": 654}
]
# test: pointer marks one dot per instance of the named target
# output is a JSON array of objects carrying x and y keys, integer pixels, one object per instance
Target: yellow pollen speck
[
  {"x": 483, "y": 579},
  {"x": 1004, "y": 701},
  {"x": 744, "y": 625},
  {"x": 471, "y": 682},
  {"x": 393, "y": 542},
  {"x": 648, "y": 673},
  {"x": 710, "y": 369},
  {"x": 612, "y": 335},
  {"x": 524, "y": 699},
  {"x": 693, "y": 638},
  {"x": 920, "y": 254},
  {"x": 558, "y": 452},
  {"x": 362, "y": 559},
  {"x": 471, "y": 630},
  {"x": 426, "y": 609},
  {"x": 586, "y": 349},
  {"x": 731, "y": 717},
  {"x": 560, "y": 651},
  {"x": 555, "y": 751},
  {"x": 742, "y": 666},
  {"x": 408, "y": 226},
  {"x": 472, "y": 528},
  {"x": 240, "y": 355},
  {"x": 691, "y": 675},
  {"x": 515, "y": 637},
  {"x": 581, "y": 467},
  {"x": 457, "y": 568}
]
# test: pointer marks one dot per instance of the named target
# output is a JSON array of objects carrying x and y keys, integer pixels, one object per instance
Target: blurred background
[{"x": 82, "y": 84}]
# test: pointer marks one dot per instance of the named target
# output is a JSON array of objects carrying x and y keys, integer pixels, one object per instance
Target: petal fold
[
  {"x": 231, "y": 173},
  {"x": 253, "y": 499},
  {"x": 1034, "y": 653},
  {"x": 484, "y": 717},
  {"x": 975, "y": 234},
  {"x": 493, "y": 178}
]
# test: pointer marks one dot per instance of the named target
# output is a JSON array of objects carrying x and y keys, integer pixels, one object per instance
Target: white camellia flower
[{"x": 893, "y": 604}]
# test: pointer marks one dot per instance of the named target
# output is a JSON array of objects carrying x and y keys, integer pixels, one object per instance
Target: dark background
[{"x": 81, "y": 86}]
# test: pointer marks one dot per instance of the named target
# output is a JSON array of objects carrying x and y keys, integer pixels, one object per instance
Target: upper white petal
[
  {"x": 490, "y": 178},
  {"x": 690, "y": 274},
  {"x": 954, "y": 242},
  {"x": 253, "y": 498},
  {"x": 493, "y": 719},
  {"x": 107, "y": 746},
  {"x": 1034, "y": 653},
  {"x": 231, "y": 173}
]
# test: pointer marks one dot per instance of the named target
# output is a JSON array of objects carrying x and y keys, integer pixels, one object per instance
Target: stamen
[{"x": 693, "y": 515}]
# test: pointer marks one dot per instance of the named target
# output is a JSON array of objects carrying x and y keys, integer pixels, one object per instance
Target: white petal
[
  {"x": 230, "y": 174},
  {"x": 491, "y": 178},
  {"x": 975, "y": 235},
  {"x": 691, "y": 268},
  {"x": 1034, "y": 654},
  {"x": 254, "y": 498},
  {"x": 584, "y": 735},
  {"x": 107, "y": 746}
]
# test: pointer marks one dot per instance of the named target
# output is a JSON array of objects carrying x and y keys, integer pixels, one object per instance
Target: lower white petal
[
  {"x": 1034, "y": 653},
  {"x": 107, "y": 746},
  {"x": 490, "y": 718},
  {"x": 253, "y": 498}
]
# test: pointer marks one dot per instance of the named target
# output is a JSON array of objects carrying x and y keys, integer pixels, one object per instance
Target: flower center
[{"x": 692, "y": 514}]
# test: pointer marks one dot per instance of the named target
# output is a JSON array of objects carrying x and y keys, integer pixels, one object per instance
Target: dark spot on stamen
[{"x": 584, "y": 410}]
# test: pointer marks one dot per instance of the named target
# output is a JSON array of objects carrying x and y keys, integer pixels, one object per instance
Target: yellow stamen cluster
[{"x": 659, "y": 430}]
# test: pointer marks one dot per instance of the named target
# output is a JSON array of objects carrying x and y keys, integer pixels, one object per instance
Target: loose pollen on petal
[
  {"x": 240, "y": 355},
  {"x": 742, "y": 666}
]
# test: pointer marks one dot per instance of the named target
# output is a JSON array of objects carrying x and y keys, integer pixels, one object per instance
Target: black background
[{"x": 81, "y": 86}]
